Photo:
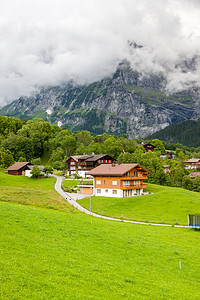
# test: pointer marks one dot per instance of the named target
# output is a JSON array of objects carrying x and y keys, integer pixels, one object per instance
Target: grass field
[
  {"x": 51, "y": 254},
  {"x": 165, "y": 205},
  {"x": 29, "y": 191},
  {"x": 48, "y": 254}
]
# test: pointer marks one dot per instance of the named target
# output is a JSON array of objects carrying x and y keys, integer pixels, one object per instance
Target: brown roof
[
  {"x": 194, "y": 174},
  {"x": 88, "y": 157},
  {"x": 18, "y": 165},
  {"x": 192, "y": 160},
  {"x": 114, "y": 169}
]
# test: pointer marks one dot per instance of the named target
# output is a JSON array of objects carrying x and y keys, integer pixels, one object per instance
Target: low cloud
[{"x": 50, "y": 42}]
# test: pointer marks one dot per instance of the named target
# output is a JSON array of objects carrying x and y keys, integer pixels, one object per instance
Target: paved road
[{"x": 73, "y": 202}]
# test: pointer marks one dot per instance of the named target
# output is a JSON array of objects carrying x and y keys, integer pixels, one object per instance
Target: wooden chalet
[
  {"x": 194, "y": 174},
  {"x": 119, "y": 180},
  {"x": 147, "y": 146},
  {"x": 192, "y": 163},
  {"x": 19, "y": 168},
  {"x": 83, "y": 163}
]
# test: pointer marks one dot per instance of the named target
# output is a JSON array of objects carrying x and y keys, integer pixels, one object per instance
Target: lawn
[
  {"x": 29, "y": 191},
  {"x": 46, "y": 254},
  {"x": 68, "y": 185},
  {"x": 166, "y": 205},
  {"x": 60, "y": 253}
]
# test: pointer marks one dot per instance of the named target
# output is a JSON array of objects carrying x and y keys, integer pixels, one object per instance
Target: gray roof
[
  {"x": 88, "y": 157},
  {"x": 97, "y": 157},
  {"x": 40, "y": 167}
]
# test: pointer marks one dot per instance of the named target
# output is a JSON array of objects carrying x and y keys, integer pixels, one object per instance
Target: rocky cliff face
[{"x": 125, "y": 103}]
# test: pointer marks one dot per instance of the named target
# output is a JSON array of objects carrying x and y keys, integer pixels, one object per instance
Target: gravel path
[{"x": 73, "y": 202}]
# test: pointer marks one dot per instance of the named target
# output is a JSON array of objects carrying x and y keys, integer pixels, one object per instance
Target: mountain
[
  {"x": 186, "y": 133},
  {"x": 127, "y": 102}
]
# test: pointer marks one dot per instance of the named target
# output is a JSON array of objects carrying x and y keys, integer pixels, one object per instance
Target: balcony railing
[
  {"x": 134, "y": 178},
  {"x": 134, "y": 187}
]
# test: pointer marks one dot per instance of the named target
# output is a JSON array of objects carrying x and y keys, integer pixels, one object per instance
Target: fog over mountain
[{"x": 48, "y": 43}]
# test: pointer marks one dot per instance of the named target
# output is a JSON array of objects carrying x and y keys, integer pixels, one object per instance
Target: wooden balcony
[
  {"x": 134, "y": 178},
  {"x": 134, "y": 187}
]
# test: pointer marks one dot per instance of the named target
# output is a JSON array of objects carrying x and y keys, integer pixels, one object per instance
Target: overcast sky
[{"x": 48, "y": 42}]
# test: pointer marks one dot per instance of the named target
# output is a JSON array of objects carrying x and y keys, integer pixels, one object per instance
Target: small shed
[
  {"x": 30, "y": 168},
  {"x": 19, "y": 168},
  {"x": 194, "y": 221}
]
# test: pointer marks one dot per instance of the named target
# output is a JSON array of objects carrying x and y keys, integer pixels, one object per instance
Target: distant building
[
  {"x": 28, "y": 172},
  {"x": 166, "y": 169},
  {"x": 147, "y": 146},
  {"x": 119, "y": 180},
  {"x": 192, "y": 163},
  {"x": 19, "y": 168},
  {"x": 83, "y": 163},
  {"x": 194, "y": 174}
]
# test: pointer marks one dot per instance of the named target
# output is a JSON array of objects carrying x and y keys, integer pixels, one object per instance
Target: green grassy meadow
[
  {"x": 29, "y": 191},
  {"x": 64, "y": 254},
  {"x": 48, "y": 254},
  {"x": 166, "y": 205}
]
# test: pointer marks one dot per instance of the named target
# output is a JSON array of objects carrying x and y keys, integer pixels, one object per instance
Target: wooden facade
[
  {"x": 148, "y": 146},
  {"x": 124, "y": 180},
  {"x": 19, "y": 168},
  {"x": 83, "y": 163},
  {"x": 192, "y": 163}
]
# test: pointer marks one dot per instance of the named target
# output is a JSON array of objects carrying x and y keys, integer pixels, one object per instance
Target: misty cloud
[{"x": 51, "y": 42}]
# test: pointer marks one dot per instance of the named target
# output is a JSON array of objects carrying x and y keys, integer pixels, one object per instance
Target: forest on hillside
[
  {"x": 40, "y": 142},
  {"x": 186, "y": 133}
]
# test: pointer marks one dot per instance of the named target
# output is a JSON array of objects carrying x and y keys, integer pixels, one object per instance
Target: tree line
[{"x": 40, "y": 142}]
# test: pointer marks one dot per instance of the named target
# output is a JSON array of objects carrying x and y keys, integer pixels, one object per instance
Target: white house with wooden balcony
[
  {"x": 119, "y": 180},
  {"x": 81, "y": 164}
]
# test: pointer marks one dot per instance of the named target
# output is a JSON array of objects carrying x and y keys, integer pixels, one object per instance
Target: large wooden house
[
  {"x": 119, "y": 180},
  {"x": 19, "y": 168},
  {"x": 81, "y": 164},
  {"x": 192, "y": 163}
]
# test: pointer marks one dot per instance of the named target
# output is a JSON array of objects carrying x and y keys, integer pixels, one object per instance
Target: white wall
[
  {"x": 110, "y": 193},
  {"x": 28, "y": 173}
]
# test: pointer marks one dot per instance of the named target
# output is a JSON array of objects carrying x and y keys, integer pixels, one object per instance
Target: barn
[{"x": 19, "y": 168}]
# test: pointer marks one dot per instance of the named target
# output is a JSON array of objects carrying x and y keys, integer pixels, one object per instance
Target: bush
[{"x": 35, "y": 172}]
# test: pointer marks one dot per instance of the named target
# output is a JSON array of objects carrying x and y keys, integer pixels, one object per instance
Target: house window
[
  {"x": 106, "y": 191},
  {"x": 72, "y": 163},
  {"x": 98, "y": 181},
  {"x": 73, "y": 168},
  {"x": 98, "y": 191},
  {"x": 110, "y": 161},
  {"x": 114, "y": 192},
  {"x": 114, "y": 182},
  {"x": 126, "y": 182},
  {"x": 104, "y": 181}
]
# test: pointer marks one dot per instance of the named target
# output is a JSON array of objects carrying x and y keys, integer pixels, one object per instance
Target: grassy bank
[
  {"x": 165, "y": 205},
  {"x": 29, "y": 191},
  {"x": 48, "y": 254}
]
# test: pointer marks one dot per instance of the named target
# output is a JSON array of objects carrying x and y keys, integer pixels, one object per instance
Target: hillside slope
[{"x": 187, "y": 133}]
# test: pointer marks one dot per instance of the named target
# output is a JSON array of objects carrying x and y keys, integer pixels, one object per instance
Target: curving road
[{"x": 68, "y": 197}]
